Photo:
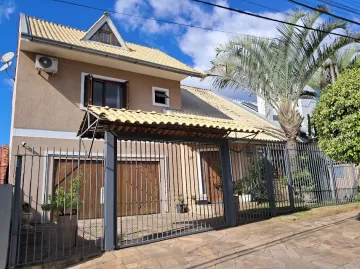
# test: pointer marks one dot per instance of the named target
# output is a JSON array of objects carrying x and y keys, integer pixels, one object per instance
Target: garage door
[{"x": 137, "y": 186}]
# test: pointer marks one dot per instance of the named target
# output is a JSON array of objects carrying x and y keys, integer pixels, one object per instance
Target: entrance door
[
  {"x": 138, "y": 188},
  {"x": 211, "y": 175}
]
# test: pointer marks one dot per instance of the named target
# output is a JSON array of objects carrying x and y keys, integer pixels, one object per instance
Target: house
[
  {"x": 153, "y": 158},
  {"x": 62, "y": 70},
  {"x": 72, "y": 83}
]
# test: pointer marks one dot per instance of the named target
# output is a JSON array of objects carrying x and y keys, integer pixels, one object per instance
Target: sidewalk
[{"x": 329, "y": 242}]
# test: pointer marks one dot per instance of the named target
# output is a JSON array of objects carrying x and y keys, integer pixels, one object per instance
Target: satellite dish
[
  {"x": 7, "y": 57},
  {"x": 45, "y": 62},
  {"x": 5, "y": 66}
]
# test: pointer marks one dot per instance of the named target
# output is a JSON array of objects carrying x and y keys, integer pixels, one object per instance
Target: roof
[
  {"x": 203, "y": 102},
  {"x": 49, "y": 31},
  {"x": 4, "y": 163},
  {"x": 160, "y": 123}
]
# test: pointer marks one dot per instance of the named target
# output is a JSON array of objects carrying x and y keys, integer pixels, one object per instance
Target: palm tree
[
  {"x": 277, "y": 70},
  {"x": 334, "y": 66}
]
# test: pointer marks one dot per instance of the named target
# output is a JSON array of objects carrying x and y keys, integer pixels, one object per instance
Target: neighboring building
[
  {"x": 4, "y": 163},
  {"x": 304, "y": 106},
  {"x": 61, "y": 70}
]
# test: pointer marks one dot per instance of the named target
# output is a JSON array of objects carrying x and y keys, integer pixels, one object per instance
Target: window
[
  {"x": 105, "y": 35},
  {"x": 102, "y": 92},
  {"x": 160, "y": 97}
]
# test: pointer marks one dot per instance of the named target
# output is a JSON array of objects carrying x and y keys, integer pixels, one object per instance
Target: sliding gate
[{"x": 167, "y": 189}]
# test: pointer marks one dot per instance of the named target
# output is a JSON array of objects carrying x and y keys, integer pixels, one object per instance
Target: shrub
[
  {"x": 337, "y": 118},
  {"x": 62, "y": 200}
]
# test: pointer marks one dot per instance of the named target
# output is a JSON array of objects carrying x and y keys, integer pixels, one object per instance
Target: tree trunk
[
  {"x": 332, "y": 72},
  {"x": 291, "y": 143},
  {"x": 290, "y": 120}
]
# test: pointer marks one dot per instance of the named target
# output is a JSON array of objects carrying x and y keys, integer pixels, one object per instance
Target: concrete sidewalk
[{"x": 330, "y": 242}]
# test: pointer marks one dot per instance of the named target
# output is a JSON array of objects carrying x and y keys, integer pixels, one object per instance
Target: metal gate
[{"x": 167, "y": 189}]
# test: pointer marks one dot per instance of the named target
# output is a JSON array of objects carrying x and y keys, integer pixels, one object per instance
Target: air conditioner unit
[{"x": 47, "y": 64}]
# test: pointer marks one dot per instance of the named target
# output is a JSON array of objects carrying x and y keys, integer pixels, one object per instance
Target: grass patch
[{"x": 320, "y": 212}]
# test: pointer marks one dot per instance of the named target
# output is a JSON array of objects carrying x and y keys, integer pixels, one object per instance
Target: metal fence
[
  {"x": 164, "y": 189},
  {"x": 57, "y": 211}
]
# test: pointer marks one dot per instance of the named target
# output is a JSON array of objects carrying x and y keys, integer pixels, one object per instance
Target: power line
[
  {"x": 273, "y": 9},
  {"x": 169, "y": 22},
  {"x": 341, "y": 7},
  {"x": 324, "y": 11},
  {"x": 271, "y": 19},
  {"x": 158, "y": 20}
]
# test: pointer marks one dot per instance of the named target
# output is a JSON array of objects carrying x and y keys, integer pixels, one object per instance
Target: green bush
[
  {"x": 357, "y": 198},
  {"x": 337, "y": 118},
  {"x": 63, "y": 201}
]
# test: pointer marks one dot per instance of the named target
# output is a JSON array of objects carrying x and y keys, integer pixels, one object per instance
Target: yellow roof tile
[
  {"x": 72, "y": 36},
  {"x": 133, "y": 117},
  {"x": 269, "y": 131}
]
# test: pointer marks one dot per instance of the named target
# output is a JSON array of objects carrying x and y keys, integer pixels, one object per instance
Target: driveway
[{"x": 330, "y": 242}]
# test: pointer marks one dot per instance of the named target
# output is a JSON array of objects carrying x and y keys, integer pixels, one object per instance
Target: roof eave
[{"x": 119, "y": 57}]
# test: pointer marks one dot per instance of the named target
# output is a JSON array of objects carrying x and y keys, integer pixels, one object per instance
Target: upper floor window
[
  {"x": 104, "y": 92},
  {"x": 160, "y": 97},
  {"x": 105, "y": 35}
]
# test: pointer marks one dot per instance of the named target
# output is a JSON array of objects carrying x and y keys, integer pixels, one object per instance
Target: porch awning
[{"x": 97, "y": 120}]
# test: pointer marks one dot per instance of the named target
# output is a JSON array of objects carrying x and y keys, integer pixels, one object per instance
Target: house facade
[{"x": 61, "y": 71}]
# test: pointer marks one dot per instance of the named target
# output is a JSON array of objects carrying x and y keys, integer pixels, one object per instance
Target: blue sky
[{"x": 192, "y": 46}]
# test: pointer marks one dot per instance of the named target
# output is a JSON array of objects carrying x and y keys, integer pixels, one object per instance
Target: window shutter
[
  {"x": 126, "y": 95},
  {"x": 88, "y": 93}
]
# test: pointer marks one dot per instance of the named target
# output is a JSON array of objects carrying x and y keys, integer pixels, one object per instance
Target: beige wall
[
  {"x": 51, "y": 102},
  {"x": 178, "y": 166}
]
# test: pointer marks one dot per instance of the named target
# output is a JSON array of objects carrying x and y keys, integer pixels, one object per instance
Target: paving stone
[{"x": 267, "y": 244}]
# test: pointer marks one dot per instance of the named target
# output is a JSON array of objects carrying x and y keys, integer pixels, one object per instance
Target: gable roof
[
  {"x": 202, "y": 102},
  {"x": 57, "y": 34},
  {"x": 99, "y": 23}
]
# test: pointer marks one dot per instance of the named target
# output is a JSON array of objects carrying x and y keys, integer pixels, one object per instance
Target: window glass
[
  {"x": 113, "y": 95},
  {"x": 160, "y": 97},
  {"x": 98, "y": 93}
]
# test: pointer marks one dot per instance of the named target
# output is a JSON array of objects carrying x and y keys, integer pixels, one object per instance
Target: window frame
[
  {"x": 166, "y": 91},
  {"x": 100, "y": 77}
]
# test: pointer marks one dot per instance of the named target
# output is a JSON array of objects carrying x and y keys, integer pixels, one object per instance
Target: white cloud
[
  {"x": 6, "y": 9},
  {"x": 199, "y": 44}
]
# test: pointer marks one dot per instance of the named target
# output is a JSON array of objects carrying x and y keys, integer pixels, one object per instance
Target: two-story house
[{"x": 62, "y": 70}]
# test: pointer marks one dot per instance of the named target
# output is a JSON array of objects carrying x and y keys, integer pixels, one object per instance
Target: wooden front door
[
  {"x": 138, "y": 188},
  {"x": 211, "y": 175}
]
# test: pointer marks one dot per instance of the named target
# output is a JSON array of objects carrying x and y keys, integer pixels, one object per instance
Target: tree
[
  {"x": 337, "y": 118},
  {"x": 277, "y": 70},
  {"x": 329, "y": 72}
]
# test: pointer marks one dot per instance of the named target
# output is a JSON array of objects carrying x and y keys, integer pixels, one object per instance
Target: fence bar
[
  {"x": 269, "y": 175},
  {"x": 110, "y": 212},
  {"x": 289, "y": 179},
  {"x": 332, "y": 171},
  {"x": 16, "y": 211},
  {"x": 225, "y": 162}
]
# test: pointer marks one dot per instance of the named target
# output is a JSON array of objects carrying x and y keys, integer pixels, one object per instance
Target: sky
[{"x": 192, "y": 46}]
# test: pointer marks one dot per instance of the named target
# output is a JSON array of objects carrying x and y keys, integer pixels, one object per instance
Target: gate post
[
  {"x": 332, "y": 172},
  {"x": 110, "y": 211},
  {"x": 289, "y": 178},
  {"x": 269, "y": 174},
  {"x": 229, "y": 206},
  {"x": 16, "y": 213}
]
